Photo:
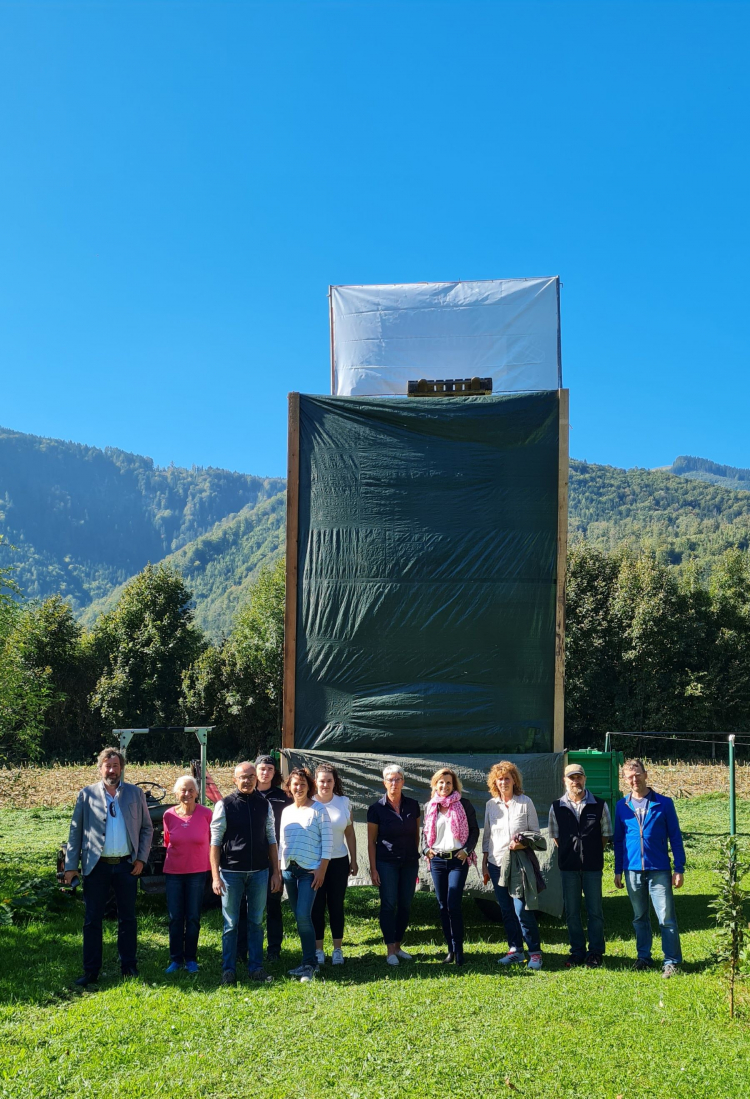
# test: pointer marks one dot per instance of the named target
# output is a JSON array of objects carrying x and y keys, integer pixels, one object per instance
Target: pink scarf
[{"x": 456, "y": 819}]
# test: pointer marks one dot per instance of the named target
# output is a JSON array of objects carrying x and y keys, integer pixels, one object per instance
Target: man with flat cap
[{"x": 580, "y": 824}]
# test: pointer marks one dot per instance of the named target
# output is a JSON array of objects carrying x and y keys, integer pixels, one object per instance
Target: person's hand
[
  {"x": 619, "y": 883},
  {"x": 318, "y": 878},
  {"x": 353, "y": 868},
  {"x": 514, "y": 845},
  {"x": 462, "y": 856},
  {"x": 69, "y": 875},
  {"x": 218, "y": 887},
  {"x": 276, "y": 883},
  {"x": 375, "y": 876},
  {"x": 137, "y": 869},
  {"x": 677, "y": 880}
]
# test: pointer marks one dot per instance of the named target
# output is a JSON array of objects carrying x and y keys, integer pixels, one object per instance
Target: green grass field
[{"x": 364, "y": 1031}]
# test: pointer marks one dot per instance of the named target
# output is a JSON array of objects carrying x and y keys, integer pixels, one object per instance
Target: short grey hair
[
  {"x": 183, "y": 780},
  {"x": 390, "y": 768}
]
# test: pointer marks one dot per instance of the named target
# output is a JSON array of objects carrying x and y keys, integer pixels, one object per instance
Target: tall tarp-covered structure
[{"x": 424, "y": 615}]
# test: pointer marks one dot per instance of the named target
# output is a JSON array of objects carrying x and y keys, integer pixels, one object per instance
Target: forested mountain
[
  {"x": 678, "y": 517},
  {"x": 221, "y": 566},
  {"x": 84, "y": 520},
  {"x": 701, "y": 469}
]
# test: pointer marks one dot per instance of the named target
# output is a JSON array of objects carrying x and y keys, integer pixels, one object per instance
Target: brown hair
[
  {"x": 446, "y": 771},
  {"x": 329, "y": 769},
  {"x": 630, "y": 764},
  {"x": 499, "y": 770},
  {"x": 307, "y": 775},
  {"x": 107, "y": 752}
]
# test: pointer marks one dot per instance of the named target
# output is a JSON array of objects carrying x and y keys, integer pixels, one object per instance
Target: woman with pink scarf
[{"x": 450, "y": 836}]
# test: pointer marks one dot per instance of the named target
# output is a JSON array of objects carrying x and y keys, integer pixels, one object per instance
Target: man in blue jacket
[{"x": 646, "y": 826}]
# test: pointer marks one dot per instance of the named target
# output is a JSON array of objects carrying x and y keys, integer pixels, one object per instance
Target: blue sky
[{"x": 181, "y": 182}]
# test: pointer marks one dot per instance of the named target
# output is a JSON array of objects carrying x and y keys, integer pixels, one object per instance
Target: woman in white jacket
[{"x": 509, "y": 813}]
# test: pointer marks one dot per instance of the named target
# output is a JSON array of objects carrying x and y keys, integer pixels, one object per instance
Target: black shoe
[
  {"x": 261, "y": 975},
  {"x": 641, "y": 964},
  {"x": 458, "y": 957},
  {"x": 86, "y": 980},
  {"x": 449, "y": 958},
  {"x": 574, "y": 961},
  {"x": 272, "y": 956},
  {"x": 593, "y": 961},
  {"x": 229, "y": 977},
  {"x": 130, "y": 971}
]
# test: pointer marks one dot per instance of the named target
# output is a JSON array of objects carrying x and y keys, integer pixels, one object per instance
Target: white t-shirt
[
  {"x": 444, "y": 838},
  {"x": 639, "y": 807},
  {"x": 339, "y": 811}
]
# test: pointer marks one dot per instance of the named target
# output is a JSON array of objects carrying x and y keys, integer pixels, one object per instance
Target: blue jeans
[
  {"x": 449, "y": 879},
  {"x": 398, "y": 880},
  {"x": 588, "y": 882},
  {"x": 254, "y": 885},
  {"x": 184, "y": 901},
  {"x": 656, "y": 884},
  {"x": 96, "y": 887},
  {"x": 520, "y": 924},
  {"x": 301, "y": 894}
]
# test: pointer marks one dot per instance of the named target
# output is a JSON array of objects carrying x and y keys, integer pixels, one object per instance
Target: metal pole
[{"x": 732, "y": 797}]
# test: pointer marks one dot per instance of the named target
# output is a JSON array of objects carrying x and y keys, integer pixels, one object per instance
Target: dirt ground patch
[{"x": 27, "y": 787}]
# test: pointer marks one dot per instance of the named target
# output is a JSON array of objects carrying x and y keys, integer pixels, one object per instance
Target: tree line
[{"x": 648, "y": 648}]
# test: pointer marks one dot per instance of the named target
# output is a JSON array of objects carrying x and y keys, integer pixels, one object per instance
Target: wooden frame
[
  {"x": 292, "y": 554},
  {"x": 558, "y": 736}
]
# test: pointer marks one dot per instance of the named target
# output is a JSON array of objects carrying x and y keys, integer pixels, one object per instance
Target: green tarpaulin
[{"x": 427, "y": 574}]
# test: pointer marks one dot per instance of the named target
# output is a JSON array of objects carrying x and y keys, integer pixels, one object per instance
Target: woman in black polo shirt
[{"x": 393, "y": 847}]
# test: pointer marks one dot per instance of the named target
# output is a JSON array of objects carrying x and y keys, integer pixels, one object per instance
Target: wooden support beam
[
  {"x": 562, "y": 556},
  {"x": 292, "y": 552}
]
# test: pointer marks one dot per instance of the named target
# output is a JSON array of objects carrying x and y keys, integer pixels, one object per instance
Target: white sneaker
[
  {"x": 535, "y": 961},
  {"x": 403, "y": 956},
  {"x": 321, "y": 956},
  {"x": 337, "y": 958},
  {"x": 511, "y": 957},
  {"x": 392, "y": 959}
]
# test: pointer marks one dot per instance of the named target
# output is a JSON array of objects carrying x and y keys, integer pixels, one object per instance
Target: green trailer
[{"x": 602, "y": 773}]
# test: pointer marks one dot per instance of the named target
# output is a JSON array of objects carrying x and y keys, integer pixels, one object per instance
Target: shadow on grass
[{"x": 42, "y": 958}]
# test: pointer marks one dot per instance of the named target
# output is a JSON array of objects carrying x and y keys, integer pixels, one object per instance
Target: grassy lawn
[{"x": 365, "y": 1031}]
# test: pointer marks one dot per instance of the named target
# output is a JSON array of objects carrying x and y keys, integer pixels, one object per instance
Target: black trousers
[
  {"x": 449, "y": 879},
  {"x": 331, "y": 896},
  {"x": 96, "y": 886}
]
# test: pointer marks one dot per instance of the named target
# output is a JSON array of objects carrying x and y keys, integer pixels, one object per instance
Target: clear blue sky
[{"x": 180, "y": 183}]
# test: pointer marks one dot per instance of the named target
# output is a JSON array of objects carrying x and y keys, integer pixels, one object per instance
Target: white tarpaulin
[{"x": 385, "y": 336}]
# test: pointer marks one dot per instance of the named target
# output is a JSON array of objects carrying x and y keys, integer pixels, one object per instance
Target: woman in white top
[
  {"x": 509, "y": 813},
  {"x": 343, "y": 862},
  {"x": 305, "y": 847}
]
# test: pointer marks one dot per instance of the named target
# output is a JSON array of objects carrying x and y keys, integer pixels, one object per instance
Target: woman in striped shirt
[{"x": 305, "y": 849}]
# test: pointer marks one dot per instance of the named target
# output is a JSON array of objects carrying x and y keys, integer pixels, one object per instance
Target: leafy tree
[
  {"x": 50, "y": 641},
  {"x": 145, "y": 646},
  {"x": 240, "y": 683}
]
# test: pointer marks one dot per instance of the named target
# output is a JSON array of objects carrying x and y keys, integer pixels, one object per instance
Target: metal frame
[{"x": 201, "y": 733}]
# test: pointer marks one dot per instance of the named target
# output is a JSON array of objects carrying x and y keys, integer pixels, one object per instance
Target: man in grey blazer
[{"x": 110, "y": 837}]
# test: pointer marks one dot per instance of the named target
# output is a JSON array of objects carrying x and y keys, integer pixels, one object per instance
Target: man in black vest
[
  {"x": 580, "y": 825},
  {"x": 269, "y": 785},
  {"x": 243, "y": 850}
]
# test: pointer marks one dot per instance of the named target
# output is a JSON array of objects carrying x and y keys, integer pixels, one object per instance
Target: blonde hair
[
  {"x": 499, "y": 770},
  {"x": 446, "y": 771}
]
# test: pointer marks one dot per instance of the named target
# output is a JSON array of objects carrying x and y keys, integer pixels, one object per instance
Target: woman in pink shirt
[{"x": 187, "y": 836}]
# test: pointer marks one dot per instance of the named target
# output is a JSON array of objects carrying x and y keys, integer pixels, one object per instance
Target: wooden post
[
  {"x": 292, "y": 550},
  {"x": 562, "y": 554},
  {"x": 333, "y": 349}
]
